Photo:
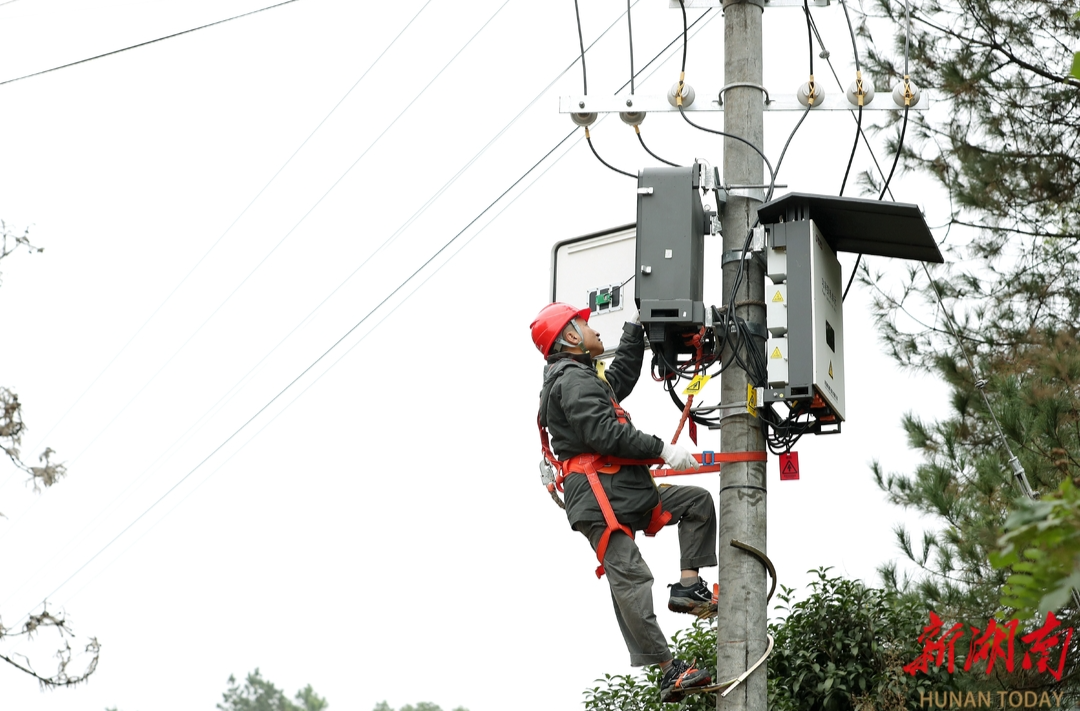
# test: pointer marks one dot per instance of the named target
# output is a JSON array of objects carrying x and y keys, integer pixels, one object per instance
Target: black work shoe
[
  {"x": 679, "y": 677},
  {"x": 694, "y": 600}
]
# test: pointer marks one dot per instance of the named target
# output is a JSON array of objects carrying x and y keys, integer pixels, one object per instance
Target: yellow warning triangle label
[
  {"x": 776, "y": 353},
  {"x": 751, "y": 399},
  {"x": 696, "y": 384},
  {"x": 778, "y": 298},
  {"x": 830, "y": 369}
]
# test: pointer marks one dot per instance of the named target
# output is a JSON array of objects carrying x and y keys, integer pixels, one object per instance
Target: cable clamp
[
  {"x": 908, "y": 93},
  {"x": 679, "y": 92},
  {"x": 859, "y": 90},
  {"x": 811, "y": 91}
]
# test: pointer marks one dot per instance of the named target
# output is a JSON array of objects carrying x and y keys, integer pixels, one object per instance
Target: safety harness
[{"x": 592, "y": 465}]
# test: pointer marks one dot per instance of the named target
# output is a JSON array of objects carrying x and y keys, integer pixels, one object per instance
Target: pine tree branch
[{"x": 998, "y": 47}]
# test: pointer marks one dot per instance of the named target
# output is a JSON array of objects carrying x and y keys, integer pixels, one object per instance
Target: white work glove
[{"x": 678, "y": 458}]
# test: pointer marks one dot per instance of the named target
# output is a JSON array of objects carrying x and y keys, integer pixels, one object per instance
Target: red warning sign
[{"x": 789, "y": 466}]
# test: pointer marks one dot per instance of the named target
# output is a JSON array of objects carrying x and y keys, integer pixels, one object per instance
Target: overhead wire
[
  {"x": 144, "y": 44},
  {"x": 585, "y": 90},
  {"x": 630, "y": 31},
  {"x": 233, "y": 224},
  {"x": 858, "y": 75},
  {"x": 903, "y": 129},
  {"x": 304, "y": 372},
  {"x": 310, "y": 210},
  {"x": 637, "y": 127},
  {"x": 423, "y": 208},
  {"x": 682, "y": 112},
  {"x": 360, "y": 340},
  {"x": 109, "y": 544}
]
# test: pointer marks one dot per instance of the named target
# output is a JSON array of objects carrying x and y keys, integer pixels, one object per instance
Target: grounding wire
[
  {"x": 388, "y": 297},
  {"x": 233, "y": 224},
  {"x": 306, "y": 370},
  {"x": 143, "y": 44},
  {"x": 293, "y": 228},
  {"x": 400, "y": 229}
]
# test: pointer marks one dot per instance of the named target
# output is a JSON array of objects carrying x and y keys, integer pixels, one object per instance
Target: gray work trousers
[{"x": 631, "y": 580}]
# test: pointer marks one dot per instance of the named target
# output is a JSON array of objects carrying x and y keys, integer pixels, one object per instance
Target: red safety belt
[{"x": 591, "y": 465}]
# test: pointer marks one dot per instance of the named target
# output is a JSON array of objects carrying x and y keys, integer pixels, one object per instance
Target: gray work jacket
[{"x": 576, "y": 408}]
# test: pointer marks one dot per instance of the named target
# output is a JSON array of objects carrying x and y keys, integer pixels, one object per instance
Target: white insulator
[
  {"x": 632, "y": 118},
  {"x": 804, "y": 94},
  {"x": 868, "y": 92},
  {"x": 583, "y": 119},
  {"x": 688, "y": 94},
  {"x": 898, "y": 94}
]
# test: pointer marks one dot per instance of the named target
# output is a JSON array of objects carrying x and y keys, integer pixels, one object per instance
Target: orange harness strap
[{"x": 587, "y": 464}]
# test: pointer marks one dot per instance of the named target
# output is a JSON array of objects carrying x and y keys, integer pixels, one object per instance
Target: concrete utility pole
[{"x": 742, "y": 614}]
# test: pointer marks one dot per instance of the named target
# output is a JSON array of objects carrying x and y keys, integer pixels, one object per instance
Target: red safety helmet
[{"x": 551, "y": 321}]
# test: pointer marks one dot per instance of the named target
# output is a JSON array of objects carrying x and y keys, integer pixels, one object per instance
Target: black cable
[
  {"x": 732, "y": 136},
  {"x": 581, "y": 43},
  {"x": 630, "y": 30},
  {"x": 684, "y": 31},
  {"x": 588, "y": 139},
  {"x": 143, "y": 44},
  {"x": 907, "y": 108},
  {"x": 851, "y": 158},
  {"x": 642, "y": 142},
  {"x": 788, "y": 143},
  {"x": 809, "y": 35},
  {"x": 896, "y": 158}
]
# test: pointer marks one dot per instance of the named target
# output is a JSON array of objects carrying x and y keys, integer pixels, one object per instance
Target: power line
[
  {"x": 143, "y": 44},
  {"x": 431, "y": 200},
  {"x": 358, "y": 341},
  {"x": 289, "y": 233},
  {"x": 381, "y": 303},
  {"x": 306, "y": 370},
  {"x": 233, "y": 224}
]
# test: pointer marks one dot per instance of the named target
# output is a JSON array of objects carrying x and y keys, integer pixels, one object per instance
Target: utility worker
[{"x": 581, "y": 412}]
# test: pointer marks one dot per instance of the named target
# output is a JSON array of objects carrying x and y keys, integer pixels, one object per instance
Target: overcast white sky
[{"x": 379, "y": 530}]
